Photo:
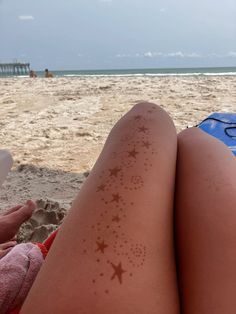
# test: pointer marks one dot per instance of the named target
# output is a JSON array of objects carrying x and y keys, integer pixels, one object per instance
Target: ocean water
[{"x": 228, "y": 71}]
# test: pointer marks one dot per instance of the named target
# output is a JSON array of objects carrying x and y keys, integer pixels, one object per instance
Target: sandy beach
[{"x": 56, "y": 128}]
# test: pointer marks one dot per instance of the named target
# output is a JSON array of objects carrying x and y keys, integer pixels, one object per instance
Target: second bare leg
[{"x": 206, "y": 224}]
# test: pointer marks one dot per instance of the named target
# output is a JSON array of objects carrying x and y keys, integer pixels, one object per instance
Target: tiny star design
[
  {"x": 143, "y": 129},
  {"x": 118, "y": 272},
  {"x": 146, "y": 144},
  {"x": 116, "y": 218},
  {"x": 114, "y": 171},
  {"x": 116, "y": 197},
  {"x": 101, "y": 246},
  {"x": 133, "y": 153},
  {"x": 101, "y": 188}
]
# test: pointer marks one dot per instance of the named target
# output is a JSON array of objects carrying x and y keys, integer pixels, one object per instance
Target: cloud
[
  {"x": 125, "y": 55},
  {"x": 194, "y": 55},
  {"x": 150, "y": 54},
  {"x": 232, "y": 54},
  {"x": 163, "y": 10},
  {"x": 176, "y": 54},
  {"x": 25, "y": 17},
  {"x": 180, "y": 54},
  {"x": 214, "y": 55}
]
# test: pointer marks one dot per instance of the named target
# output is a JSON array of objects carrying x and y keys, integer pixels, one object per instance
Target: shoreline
[{"x": 163, "y": 72}]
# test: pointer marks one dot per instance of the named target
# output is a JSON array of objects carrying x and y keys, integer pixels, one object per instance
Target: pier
[{"x": 14, "y": 68}]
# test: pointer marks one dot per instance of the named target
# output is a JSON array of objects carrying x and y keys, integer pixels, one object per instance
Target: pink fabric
[{"x": 18, "y": 270}]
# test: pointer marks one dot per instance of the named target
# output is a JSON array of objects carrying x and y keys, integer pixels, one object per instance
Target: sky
[{"x": 118, "y": 34}]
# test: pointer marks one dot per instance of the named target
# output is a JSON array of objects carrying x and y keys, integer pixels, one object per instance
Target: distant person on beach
[
  {"x": 48, "y": 74},
  {"x": 32, "y": 74},
  {"x": 152, "y": 229}
]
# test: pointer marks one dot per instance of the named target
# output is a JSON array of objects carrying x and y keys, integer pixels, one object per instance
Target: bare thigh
[
  {"x": 114, "y": 253},
  {"x": 206, "y": 224}
]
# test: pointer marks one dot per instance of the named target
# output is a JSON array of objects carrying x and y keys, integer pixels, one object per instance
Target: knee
[
  {"x": 144, "y": 107},
  {"x": 191, "y": 137},
  {"x": 197, "y": 138},
  {"x": 149, "y": 112},
  {"x": 195, "y": 142},
  {"x": 148, "y": 115},
  {"x": 188, "y": 134}
]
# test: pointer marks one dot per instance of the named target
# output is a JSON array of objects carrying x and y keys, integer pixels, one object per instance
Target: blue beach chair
[{"x": 223, "y": 127}]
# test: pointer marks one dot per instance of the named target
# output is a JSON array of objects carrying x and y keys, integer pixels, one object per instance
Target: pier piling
[{"x": 14, "y": 68}]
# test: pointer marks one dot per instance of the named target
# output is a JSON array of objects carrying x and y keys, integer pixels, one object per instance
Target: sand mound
[
  {"x": 53, "y": 192},
  {"x": 46, "y": 218}
]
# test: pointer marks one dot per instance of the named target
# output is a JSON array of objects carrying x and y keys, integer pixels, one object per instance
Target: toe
[
  {"x": 23, "y": 213},
  {"x": 7, "y": 245},
  {"x": 12, "y": 210}
]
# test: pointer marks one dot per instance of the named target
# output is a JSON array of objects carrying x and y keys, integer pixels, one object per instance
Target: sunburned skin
[{"x": 128, "y": 257}]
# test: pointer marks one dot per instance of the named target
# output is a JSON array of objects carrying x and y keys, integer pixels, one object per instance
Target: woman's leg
[
  {"x": 206, "y": 224},
  {"x": 114, "y": 252}
]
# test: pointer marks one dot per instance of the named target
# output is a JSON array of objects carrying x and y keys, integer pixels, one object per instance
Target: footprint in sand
[{"x": 46, "y": 218}]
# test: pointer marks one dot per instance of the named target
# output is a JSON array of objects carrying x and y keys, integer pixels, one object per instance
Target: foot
[
  {"x": 11, "y": 221},
  {"x": 6, "y": 247}
]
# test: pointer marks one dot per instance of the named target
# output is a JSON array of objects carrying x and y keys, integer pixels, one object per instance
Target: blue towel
[{"x": 223, "y": 127}]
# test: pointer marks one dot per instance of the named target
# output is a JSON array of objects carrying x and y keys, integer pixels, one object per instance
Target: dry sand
[{"x": 56, "y": 128}]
